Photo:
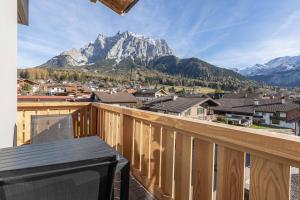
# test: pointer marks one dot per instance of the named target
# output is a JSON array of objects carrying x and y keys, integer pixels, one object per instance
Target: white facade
[
  {"x": 8, "y": 75},
  {"x": 267, "y": 118},
  {"x": 54, "y": 90}
]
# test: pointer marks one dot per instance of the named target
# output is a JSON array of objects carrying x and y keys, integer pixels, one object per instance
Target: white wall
[{"x": 8, "y": 71}]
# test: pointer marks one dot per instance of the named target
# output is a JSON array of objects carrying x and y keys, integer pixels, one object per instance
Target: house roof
[
  {"x": 279, "y": 107},
  {"x": 293, "y": 116},
  {"x": 148, "y": 91},
  {"x": 159, "y": 100},
  {"x": 241, "y": 110},
  {"x": 118, "y": 97},
  {"x": 120, "y": 6},
  {"x": 247, "y": 106},
  {"x": 180, "y": 104},
  {"x": 45, "y": 98}
]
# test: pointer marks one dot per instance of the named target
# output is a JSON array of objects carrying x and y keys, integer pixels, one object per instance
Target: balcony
[{"x": 175, "y": 158}]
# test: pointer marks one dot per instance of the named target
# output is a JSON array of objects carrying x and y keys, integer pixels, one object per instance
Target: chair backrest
[
  {"x": 90, "y": 180},
  {"x": 48, "y": 128}
]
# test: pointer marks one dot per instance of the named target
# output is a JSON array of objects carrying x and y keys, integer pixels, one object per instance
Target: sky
[{"x": 227, "y": 33}]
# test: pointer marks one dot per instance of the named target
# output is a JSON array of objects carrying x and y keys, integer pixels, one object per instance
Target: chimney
[{"x": 256, "y": 102}]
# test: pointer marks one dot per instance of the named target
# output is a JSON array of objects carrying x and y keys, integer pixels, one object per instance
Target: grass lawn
[
  {"x": 196, "y": 89},
  {"x": 259, "y": 127}
]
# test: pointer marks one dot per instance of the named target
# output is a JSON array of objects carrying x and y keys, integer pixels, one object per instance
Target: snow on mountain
[
  {"x": 121, "y": 46},
  {"x": 281, "y": 64}
]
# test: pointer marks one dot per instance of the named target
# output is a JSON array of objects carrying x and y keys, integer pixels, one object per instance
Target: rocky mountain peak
[{"x": 121, "y": 46}]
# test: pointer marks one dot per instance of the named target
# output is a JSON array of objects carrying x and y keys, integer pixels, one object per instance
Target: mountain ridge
[
  {"x": 281, "y": 71},
  {"x": 118, "y": 47}
]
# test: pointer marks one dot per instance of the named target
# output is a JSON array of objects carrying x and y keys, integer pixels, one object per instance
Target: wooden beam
[
  {"x": 23, "y": 12},
  {"x": 119, "y": 6}
]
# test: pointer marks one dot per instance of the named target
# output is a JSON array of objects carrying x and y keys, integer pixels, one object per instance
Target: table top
[{"x": 57, "y": 152}]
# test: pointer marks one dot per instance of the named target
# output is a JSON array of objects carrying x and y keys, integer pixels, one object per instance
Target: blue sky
[{"x": 228, "y": 33}]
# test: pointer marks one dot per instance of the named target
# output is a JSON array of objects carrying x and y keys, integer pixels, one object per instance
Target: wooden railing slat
[
  {"x": 128, "y": 137},
  {"x": 298, "y": 184},
  {"x": 120, "y": 133},
  {"x": 155, "y": 157},
  {"x": 230, "y": 174},
  {"x": 167, "y": 165},
  {"x": 203, "y": 174},
  {"x": 145, "y": 167},
  {"x": 183, "y": 166},
  {"x": 137, "y": 145},
  {"x": 269, "y": 180}
]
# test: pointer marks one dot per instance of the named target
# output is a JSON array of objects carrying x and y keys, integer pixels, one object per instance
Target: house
[
  {"x": 57, "y": 89},
  {"x": 149, "y": 94},
  {"x": 21, "y": 83},
  {"x": 271, "y": 112},
  {"x": 284, "y": 115},
  {"x": 196, "y": 108},
  {"x": 119, "y": 98}
]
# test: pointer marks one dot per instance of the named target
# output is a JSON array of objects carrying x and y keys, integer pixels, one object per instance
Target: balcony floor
[{"x": 136, "y": 190}]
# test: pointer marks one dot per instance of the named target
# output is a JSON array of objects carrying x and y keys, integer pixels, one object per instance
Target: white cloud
[{"x": 284, "y": 41}]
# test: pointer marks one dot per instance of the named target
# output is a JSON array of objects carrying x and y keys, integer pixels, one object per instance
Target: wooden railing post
[
  {"x": 203, "y": 172},
  {"x": 183, "y": 166},
  {"x": 93, "y": 121},
  {"x": 166, "y": 189},
  {"x": 128, "y": 137},
  {"x": 269, "y": 180},
  {"x": 230, "y": 174}
]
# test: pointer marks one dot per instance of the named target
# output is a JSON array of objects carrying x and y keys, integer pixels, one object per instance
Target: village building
[
  {"x": 149, "y": 94},
  {"x": 118, "y": 98},
  {"x": 22, "y": 82},
  {"x": 190, "y": 107},
  {"x": 281, "y": 113}
]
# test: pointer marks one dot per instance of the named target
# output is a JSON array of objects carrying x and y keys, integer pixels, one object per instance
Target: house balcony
[{"x": 175, "y": 158}]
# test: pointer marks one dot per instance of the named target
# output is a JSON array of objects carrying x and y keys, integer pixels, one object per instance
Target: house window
[
  {"x": 275, "y": 121},
  {"x": 200, "y": 111},
  {"x": 188, "y": 112}
]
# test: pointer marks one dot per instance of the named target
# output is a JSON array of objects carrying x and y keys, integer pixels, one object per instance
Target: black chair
[
  {"x": 49, "y": 128},
  {"x": 80, "y": 180}
]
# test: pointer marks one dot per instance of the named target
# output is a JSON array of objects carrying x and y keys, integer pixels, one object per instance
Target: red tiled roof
[
  {"x": 293, "y": 116},
  {"x": 45, "y": 98}
]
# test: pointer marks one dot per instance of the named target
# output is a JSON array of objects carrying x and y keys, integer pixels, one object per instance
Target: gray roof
[
  {"x": 159, "y": 100},
  {"x": 148, "y": 92},
  {"x": 247, "y": 106},
  {"x": 282, "y": 107},
  {"x": 118, "y": 97},
  {"x": 180, "y": 104}
]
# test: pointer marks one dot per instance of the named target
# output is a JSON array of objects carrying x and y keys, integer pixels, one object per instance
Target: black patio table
[{"x": 64, "y": 151}]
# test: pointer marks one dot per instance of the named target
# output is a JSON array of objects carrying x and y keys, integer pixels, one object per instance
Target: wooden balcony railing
[
  {"x": 82, "y": 114},
  {"x": 174, "y": 157}
]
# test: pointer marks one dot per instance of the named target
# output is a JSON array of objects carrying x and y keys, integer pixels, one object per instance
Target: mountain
[
  {"x": 192, "y": 68},
  {"x": 128, "y": 55},
  {"x": 282, "y": 71},
  {"x": 119, "y": 47}
]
